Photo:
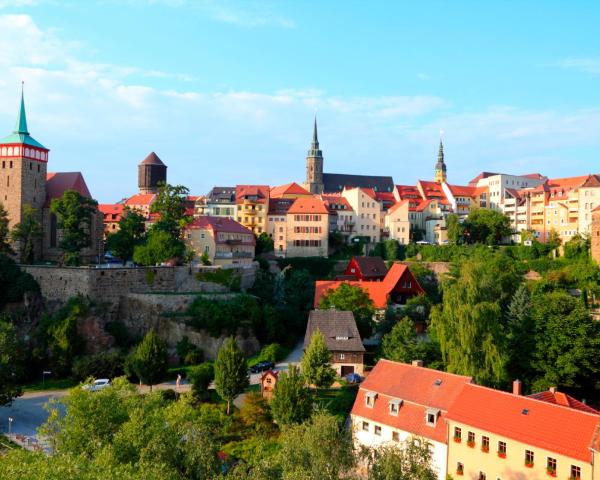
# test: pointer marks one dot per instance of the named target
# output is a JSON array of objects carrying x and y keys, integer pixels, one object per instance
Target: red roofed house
[
  {"x": 504, "y": 435},
  {"x": 398, "y": 401},
  {"x": 290, "y": 190},
  {"x": 307, "y": 233},
  {"x": 398, "y": 285},
  {"x": 342, "y": 217},
  {"x": 252, "y": 204},
  {"x": 225, "y": 241},
  {"x": 371, "y": 269},
  {"x": 141, "y": 202},
  {"x": 111, "y": 214}
]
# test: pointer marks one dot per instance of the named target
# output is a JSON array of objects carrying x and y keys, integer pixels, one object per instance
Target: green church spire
[{"x": 21, "y": 125}]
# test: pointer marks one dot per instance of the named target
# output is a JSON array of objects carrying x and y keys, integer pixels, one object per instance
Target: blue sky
[{"x": 225, "y": 91}]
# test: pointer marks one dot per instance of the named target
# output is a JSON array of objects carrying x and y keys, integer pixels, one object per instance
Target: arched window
[
  {"x": 26, "y": 152},
  {"x": 37, "y": 154},
  {"x": 10, "y": 151},
  {"x": 4, "y": 151},
  {"x": 17, "y": 151}
]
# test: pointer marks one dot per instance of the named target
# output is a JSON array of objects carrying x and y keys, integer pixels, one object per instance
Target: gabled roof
[
  {"x": 422, "y": 205},
  {"x": 408, "y": 191},
  {"x": 221, "y": 195},
  {"x": 597, "y": 209},
  {"x": 338, "y": 327},
  {"x": 111, "y": 208},
  {"x": 141, "y": 199},
  {"x": 481, "y": 176},
  {"x": 561, "y": 398},
  {"x": 461, "y": 191},
  {"x": 335, "y": 182},
  {"x": 152, "y": 159},
  {"x": 308, "y": 205},
  {"x": 432, "y": 191},
  {"x": 419, "y": 388},
  {"x": 58, "y": 183},
  {"x": 370, "y": 266},
  {"x": 336, "y": 203},
  {"x": 280, "y": 206},
  {"x": 288, "y": 189},
  {"x": 397, "y": 205},
  {"x": 567, "y": 431},
  {"x": 261, "y": 192},
  {"x": 221, "y": 224}
]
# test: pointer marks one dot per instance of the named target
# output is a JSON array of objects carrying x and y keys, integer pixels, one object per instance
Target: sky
[{"x": 225, "y": 91}]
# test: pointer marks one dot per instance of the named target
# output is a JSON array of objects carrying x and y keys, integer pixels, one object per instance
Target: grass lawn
[
  {"x": 50, "y": 384},
  {"x": 337, "y": 401}
]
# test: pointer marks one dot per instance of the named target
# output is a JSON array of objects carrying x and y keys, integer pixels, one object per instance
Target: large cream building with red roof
[{"x": 307, "y": 228}]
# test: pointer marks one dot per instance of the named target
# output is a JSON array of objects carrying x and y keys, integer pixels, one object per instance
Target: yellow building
[
  {"x": 495, "y": 435},
  {"x": 252, "y": 207}
]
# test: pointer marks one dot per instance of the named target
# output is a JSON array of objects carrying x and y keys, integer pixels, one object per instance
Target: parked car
[
  {"x": 262, "y": 367},
  {"x": 354, "y": 378},
  {"x": 97, "y": 385}
]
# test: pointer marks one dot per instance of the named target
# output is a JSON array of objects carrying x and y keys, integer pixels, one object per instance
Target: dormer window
[
  {"x": 431, "y": 416},
  {"x": 370, "y": 399},
  {"x": 395, "y": 404}
]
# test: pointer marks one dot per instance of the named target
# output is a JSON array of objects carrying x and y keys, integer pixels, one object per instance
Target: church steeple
[
  {"x": 440, "y": 166},
  {"x": 21, "y": 125},
  {"x": 314, "y": 164}
]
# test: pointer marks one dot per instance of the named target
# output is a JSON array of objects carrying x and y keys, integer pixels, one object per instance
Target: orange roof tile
[
  {"x": 141, "y": 199},
  {"x": 561, "y": 398},
  {"x": 408, "y": 191},
  {"x": 111, "y": 208},
  {"x": 288, "y": 189},
  {"x": 564, "y": 430},
  {"x": 461, "y": 191},
  {"x": 397, "y": 205},
  {"x": 419, "y": 388},
  {"x": 308, "y": 205},
  {"x": 220, "y": 224},
  {"x": 259, "y": 191}
]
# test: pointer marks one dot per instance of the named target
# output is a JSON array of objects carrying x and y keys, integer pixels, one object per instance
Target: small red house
[
  {"x": 267, "y": 383},
  {"x": 398, "y": 286},
  {"x": 369, "y": 269}
]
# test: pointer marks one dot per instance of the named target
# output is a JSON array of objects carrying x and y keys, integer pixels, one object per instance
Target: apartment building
[
  {"x": 398, "y": 401},
  {"x": 225, "y": 241},
  {"x": 220, "y": 202},
  {"x": 397, "y": 222},
  {"x": 500, "y": 436},
  {"x": 368, "y": 212},
  {"x": 307, "y": 228},
  {"x": 252, "y": 206},
  {"x": 277, "y": 223},
  {"x": 342, "y": 217},
  {"x": 497, "y": 183}
]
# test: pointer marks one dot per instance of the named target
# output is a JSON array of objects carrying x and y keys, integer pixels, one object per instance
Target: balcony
[
  {"x": 225, "y": 255},
  {"x": 233, "y": 241}
]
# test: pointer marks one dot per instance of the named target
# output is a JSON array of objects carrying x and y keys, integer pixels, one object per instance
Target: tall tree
[
  {"x": 159, "y": 247},
  {"x": 27, "y": 233},
  {"x": 484, "y": 225},
  {"x": 149, "y": 360},
  {"x": 74, "y": 213},
  {"x": 5, "y": 247},
  {"x": 130, "y": 234},
  {"x": 403, "y": 344},
  {"x": 231, "y": 371},
  {"x": 521, "y": 335},
  {"x": 316, "y": 362},
  {"x": 264, "y": 243},
  {"x": 170, "y": 205},
  {"x": 11, "y": 363},
  {"x": 355, "y": 299},
  {"x": 291, "y": 402},
  {"x": 454, "y": 229}
]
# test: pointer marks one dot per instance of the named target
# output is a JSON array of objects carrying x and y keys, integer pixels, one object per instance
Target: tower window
[
  {"x": 38, "y": 169},
  {"x": 8, "y": 180},
  {"x": 10, "y": 164},
  {"x": 30, "y": 166}
]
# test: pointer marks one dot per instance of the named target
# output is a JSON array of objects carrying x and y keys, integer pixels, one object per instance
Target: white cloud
[
  {"x": 17, "y": 3},
  {"x": 590, "y": 65}
]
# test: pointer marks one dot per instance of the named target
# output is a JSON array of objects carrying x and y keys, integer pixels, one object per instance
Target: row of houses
[{"x": 477, "y": 432}]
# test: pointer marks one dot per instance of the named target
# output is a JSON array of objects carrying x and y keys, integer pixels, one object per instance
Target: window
[
  {"x": 471, "y": 439},
  {"x": 502, "y": 449},
  {"x": 575, "y": 471},
  {"x": 365, "y": 426},
  {"x": 551, "y": 465},
  {"x": 529, "y": 457},
  {"x": 395, "y": 436},
  {"x": 460, "y": 469},
  {"x": 370, "y": 399},
  {"x": 342, "y": 356},
  {"x": 395, "y": 405},
  {"x": 485, "y": 444},
  {"x": 481, "y": 476},
  {"x": 431, "y": 415},
  {"x": 377, "y": 430},
  {"x": 457, "y": 434}
]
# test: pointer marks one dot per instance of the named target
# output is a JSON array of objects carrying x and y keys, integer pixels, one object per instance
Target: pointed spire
[
  {"x": 441, "y": 152},
  {"x": 21, "y": 125},
  {"x": 315, "y": 140}
]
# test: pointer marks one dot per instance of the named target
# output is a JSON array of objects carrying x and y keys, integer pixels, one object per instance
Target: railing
[{"x": 233, "y": 255}]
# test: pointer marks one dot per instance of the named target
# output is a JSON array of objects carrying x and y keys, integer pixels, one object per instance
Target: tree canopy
[
  {"x": 291, "y": 402},
  {"x": 149, "y": 360},
  {"x": 316, "y": 362},
  {"x": 484, "y": 225},
  {"x": 159, "y": 247},
  {"x": 354, "y": 299},
  {"x": 5, "y": 247},
  {"x": 27, "y": 233},
  {"x": 231, "y": 371},
  {"x": 170, "y": 205},
  {"x": 11, "y": 363},
  {"x": 130, "y": 234}
]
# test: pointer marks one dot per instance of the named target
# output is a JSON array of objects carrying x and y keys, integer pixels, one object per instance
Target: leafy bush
[
  {"x": 219, "y": 317},
  {"x": 14, "y": 282},
  {"x": 188, "y": 353},
  {"x": 271, "y": 353},
  {"x": 227, "y": 277},
  {"x": 101, "y": 365},
  {"x": 200, "y": 376}
]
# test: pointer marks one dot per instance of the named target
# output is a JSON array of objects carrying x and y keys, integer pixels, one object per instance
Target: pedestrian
[{"x": 178, "y": 381}]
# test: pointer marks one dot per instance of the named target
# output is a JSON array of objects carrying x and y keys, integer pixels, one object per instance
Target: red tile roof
[
  {"x": 259, "y": 191},
  {"x": 461, "y": 191},
  {"x": 564, "y": 430},
  {"x": 279, "y": 206},
  {"x": 308, "y": 205},
  {"x": 109, "y": 209},
  {"x": 408, "y": 191},
  {"x": 397, "y": 205},
  {"x": 433, "y": 191},
  {"x": 288, "y": 189},
  {"x": 561, "y": 398},
  {"x": 419, "y": 388},
  {"x": 422, "y": 205},
  {"x": 58, "y": 183},
  {"x": 370, "y": 192},
  {"x": 141, "y": 199},
  {"x": 220, "y": 224},
  {"x": 331, "y": 200}
]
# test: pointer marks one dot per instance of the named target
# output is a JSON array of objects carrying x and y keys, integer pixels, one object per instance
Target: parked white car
[{"x": 97, "y": 385}]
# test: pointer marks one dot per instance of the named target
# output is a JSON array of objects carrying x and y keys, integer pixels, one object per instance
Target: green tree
[
  {"x": 149, "y": 360},
  {"x": 454, "y": 229},
  {"x": 318, "y": 449},
  {"x": 130, "y": 234},
  {"x": 231, "y": 371},
  {"x": 567, "y": 341},
  {"x": 411, "y": 460},
  {"x": 264, "y": 243},
  {"x": 11, "y": 363},
  {"x": 14, "y": 282},
  {"x": 355, "y": 299},
  {"x": 27, "y": 233},
  {"x": 74, "y": 214},
  {"x": 403, "y": 344},
  {"x": 316, "y": 362},
  {"x": 170, "y": 205},
  {"x": 159, "y": 247},
  {"x": 391, "y": 249},
  {"x": 521, "y": 335},
  {"x": 484, "y": 225},
  {"x": 5, "y": 247},
  {"x": 201, "y": 376},
  {"x": 291, "y": 402},
  {"x": 256, "y": 414}
]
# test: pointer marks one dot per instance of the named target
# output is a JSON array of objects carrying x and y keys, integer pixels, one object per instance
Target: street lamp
[
  {"x": 10, "y": 420},
  {"x": 44, "y": 373}
]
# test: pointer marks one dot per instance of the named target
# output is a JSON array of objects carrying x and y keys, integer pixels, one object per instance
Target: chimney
[
  {"x": 517, "y": 387},
  {"x": 553, "y": 389},
  {"x": 417, "y": 363}
]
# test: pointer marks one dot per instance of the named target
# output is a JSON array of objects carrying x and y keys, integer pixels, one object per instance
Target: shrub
[
  {"x": 271, "y": 353},
  {"x": 227, "y": 277},
  {"x": 100, "y": 365},
  {"x": 200, "y": 376},
  {"x": 188, "y": 353}
]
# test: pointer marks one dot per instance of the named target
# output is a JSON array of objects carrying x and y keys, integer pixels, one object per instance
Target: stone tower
[
  {"x": 440, "y": 166},
  {"x": 23, "y": 169},
  {"x": 151, "y": 171},
  {"x": 314, "y": 165}
]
